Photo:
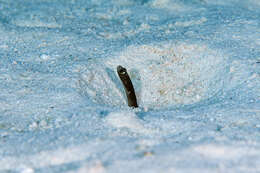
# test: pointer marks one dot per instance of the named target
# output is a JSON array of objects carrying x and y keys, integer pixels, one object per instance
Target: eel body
[{"x": 128, "y": 86}]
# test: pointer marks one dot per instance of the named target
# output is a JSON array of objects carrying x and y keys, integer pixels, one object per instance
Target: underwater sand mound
[{"x": 163, "y": 75}]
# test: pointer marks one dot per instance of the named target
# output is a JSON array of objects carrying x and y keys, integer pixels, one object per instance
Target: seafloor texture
[{"x": 195, "y": 65}]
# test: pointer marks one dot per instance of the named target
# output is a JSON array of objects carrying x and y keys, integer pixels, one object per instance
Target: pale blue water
[{"x": 195, "y": 66}]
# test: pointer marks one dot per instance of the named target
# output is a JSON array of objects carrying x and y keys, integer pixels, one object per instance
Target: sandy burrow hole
[{"x": 166, "y": 74}]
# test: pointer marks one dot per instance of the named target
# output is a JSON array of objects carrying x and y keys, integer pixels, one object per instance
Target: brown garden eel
[{"x": 128, "y": 86}]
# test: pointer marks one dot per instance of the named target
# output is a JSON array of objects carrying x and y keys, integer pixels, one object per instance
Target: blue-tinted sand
[{"x": 195, "y": 66}]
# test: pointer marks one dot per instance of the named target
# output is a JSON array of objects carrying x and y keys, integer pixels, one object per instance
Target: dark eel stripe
[{"x": 128, "y": 86}]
